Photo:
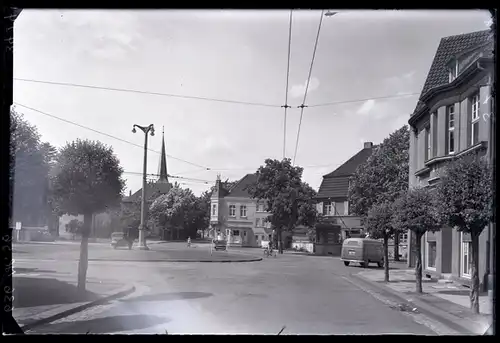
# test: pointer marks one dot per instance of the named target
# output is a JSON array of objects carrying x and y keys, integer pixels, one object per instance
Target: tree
[
  {"x": 464, "y": 200},
  {"x": 29, "y": 166},
  {"x": 288, "y": 199},
  {"x": 416, "y": 211},
  {"x": 380, "y": 225},
  {"x": 175, "y": 209},
  {"x": 382, "y": 178},
  {"x": 88, "y": 181}
]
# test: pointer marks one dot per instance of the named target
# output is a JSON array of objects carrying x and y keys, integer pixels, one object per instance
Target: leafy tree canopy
[
  {"x": 288, "y": 199},
  {"x": 416, "y": 211},
  {"x": 384, "y": 175},
  {"x": 89, "y": 178},
  {"x": 465, "y": 194}
]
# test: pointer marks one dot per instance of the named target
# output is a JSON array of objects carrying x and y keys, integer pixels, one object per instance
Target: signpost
[{"x": 18, "y": 230}]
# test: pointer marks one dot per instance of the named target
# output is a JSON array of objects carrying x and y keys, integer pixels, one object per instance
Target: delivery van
[{"x": 362, "y": 251}]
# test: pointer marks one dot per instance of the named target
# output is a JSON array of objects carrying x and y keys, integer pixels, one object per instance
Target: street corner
[{"x": 36, "y": 316}]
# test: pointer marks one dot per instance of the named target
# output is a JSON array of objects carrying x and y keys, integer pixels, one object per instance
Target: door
[{"x": 244, "y": 238}]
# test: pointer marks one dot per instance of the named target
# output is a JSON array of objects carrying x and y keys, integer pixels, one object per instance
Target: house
[
  {"x": 337, "y": 223},
  {"x": 238, "y": 218},
  {"x": 153, "y": 190},
  {"x": 451, "y": 118}
]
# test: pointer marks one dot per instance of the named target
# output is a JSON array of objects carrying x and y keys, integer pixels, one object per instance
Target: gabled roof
[
  {"x": 333, "y": 187},
  {"x": 240, "y": 189},
  {"x": 349, "y": 167},
  {"x": 448, "y": 48},
  {"x": 152, "y": 189}
]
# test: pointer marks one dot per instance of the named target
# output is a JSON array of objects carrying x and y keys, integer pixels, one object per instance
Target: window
[
  {"x": 257, "y": 222},
  {"x": 475, "y": 120},
  {"x": 465, "y": 265},
  {"x": 244, "y": 233},
  {"x": 346, "y": 208},
  {"x": 256, "y": 237},
  {"x": 451, "y": 129},
  {"x": 214, "y": 210},
  {"x": 430, "y": 250},
  {"x": 236, "y": 232},
  {"x": 232, "y": 210},
  {"x": 427, "y": 143},
  {"x": 260, "y": 207},
  {"x": 263, "y": 237},
  {"x": 453, "y": 71},
  {"x": 327, "y": 209},
  {"x": 243, "y": 211}
]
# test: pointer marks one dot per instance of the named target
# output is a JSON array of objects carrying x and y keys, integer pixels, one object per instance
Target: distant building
[
  {"x": 153, "y": 190},
  {"x": 237, "y": 217},
  {"x": 337, "y": 222},
  {"x": 452, "y": 118}
]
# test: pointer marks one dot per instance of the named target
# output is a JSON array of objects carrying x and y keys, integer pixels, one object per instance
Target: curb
[
  {"x": 453, "y": 322},
  {"x": 179, "y": 260},
  {"x": 124, "y": 291}
]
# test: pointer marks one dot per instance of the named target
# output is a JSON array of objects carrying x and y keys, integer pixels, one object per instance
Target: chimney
[
  {"x": 130, "y": 193},
  {"x": 368, "y": 145}
]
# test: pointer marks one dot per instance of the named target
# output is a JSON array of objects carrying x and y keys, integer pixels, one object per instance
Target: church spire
[{"x": 163, "y": 159}]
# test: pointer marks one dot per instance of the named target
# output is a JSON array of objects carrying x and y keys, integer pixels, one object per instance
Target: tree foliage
[
  {"x": 88, "y": 180},
  {"x": 416, "y": 211},
  {"x": 176, "y": 209},
  {"x": 384, "y": 175},
  {"x": 289, "y": 201},
  {"x": 29, "y": 167},
  {"x": 464, "y": 201}
]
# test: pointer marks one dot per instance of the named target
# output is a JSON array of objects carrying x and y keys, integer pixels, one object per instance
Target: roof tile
[{"x": 448, "y": 47}]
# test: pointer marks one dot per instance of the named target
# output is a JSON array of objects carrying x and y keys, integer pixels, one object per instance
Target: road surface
[{"x": 302, "y": 294}]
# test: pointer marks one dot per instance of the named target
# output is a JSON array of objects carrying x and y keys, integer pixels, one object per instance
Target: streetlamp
[
  {"x": 330, "y": 14},
  {"x": 142, "y": 234}
]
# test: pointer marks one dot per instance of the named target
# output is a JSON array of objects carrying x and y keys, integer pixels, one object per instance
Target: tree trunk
[
  {"x": 280, "y": 245},
  {"x": 396, "y": 247},
  {"x": 418, "y": 262},
  {"x": 84, "y": 253},
  {"x": 474, "y": 290},
  {"x": 386, "y": 258}
]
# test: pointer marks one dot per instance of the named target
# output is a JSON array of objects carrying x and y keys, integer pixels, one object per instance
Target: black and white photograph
[{"x": 250, "y": 171}]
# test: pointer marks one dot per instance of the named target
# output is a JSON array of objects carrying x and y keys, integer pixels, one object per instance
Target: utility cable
[
  {"x": 307, "y": 87},
  {"x": 286, "y": 106},
  {"x": 107, "y": 135}
]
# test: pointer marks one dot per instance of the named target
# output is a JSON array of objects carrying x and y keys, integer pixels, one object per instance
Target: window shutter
[{"x": 319, "y": 207}]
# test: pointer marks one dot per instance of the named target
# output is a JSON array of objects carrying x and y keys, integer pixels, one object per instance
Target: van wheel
[
  {"x": 346, "y": 263},
  {"x": 362, "y": 264},
  {"x": 380, "y": 264}
]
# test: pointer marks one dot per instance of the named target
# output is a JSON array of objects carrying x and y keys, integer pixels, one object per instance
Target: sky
[{"x": 361, "y": 57}]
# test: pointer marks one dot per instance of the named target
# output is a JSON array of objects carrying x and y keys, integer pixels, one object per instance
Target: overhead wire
[
  {"x": 107, "y": 134},
  {"x": 307, "y": 87},
  {"x": 286, "y": 106},
  {"x": 67, "y": 84}
]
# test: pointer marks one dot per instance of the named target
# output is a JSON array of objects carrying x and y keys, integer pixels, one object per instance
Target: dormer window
[{"x": 453, "y": 70}]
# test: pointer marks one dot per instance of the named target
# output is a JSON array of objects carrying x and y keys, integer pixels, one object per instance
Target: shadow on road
[
  {"x": 105, "y": 325},
  {"x": 169, "y": 296},
  {"x": 46, "y": 291}
]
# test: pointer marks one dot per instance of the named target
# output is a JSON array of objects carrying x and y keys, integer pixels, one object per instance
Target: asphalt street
[{"x": 302, "y": 294}]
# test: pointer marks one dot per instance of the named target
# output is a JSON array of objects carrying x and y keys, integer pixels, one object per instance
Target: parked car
[
  {"x": 119, "y": 239},
  {"x": 220, "y": 245},
  {"x": 362, "y": 251}
]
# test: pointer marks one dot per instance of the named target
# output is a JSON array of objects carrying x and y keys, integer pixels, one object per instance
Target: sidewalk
[
  {"x": 449, "y": 299},
  {"x": 42, "y": 299}
]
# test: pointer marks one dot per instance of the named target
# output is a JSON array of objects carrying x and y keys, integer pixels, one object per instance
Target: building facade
[
  {"x": 238, "y": 218},
  {"x": 452, "y": 118},
  {"x": 337, "y": 223}
]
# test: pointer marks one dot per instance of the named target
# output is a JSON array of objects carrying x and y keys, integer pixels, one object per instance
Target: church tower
[{"x": 163, "y": 160}]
